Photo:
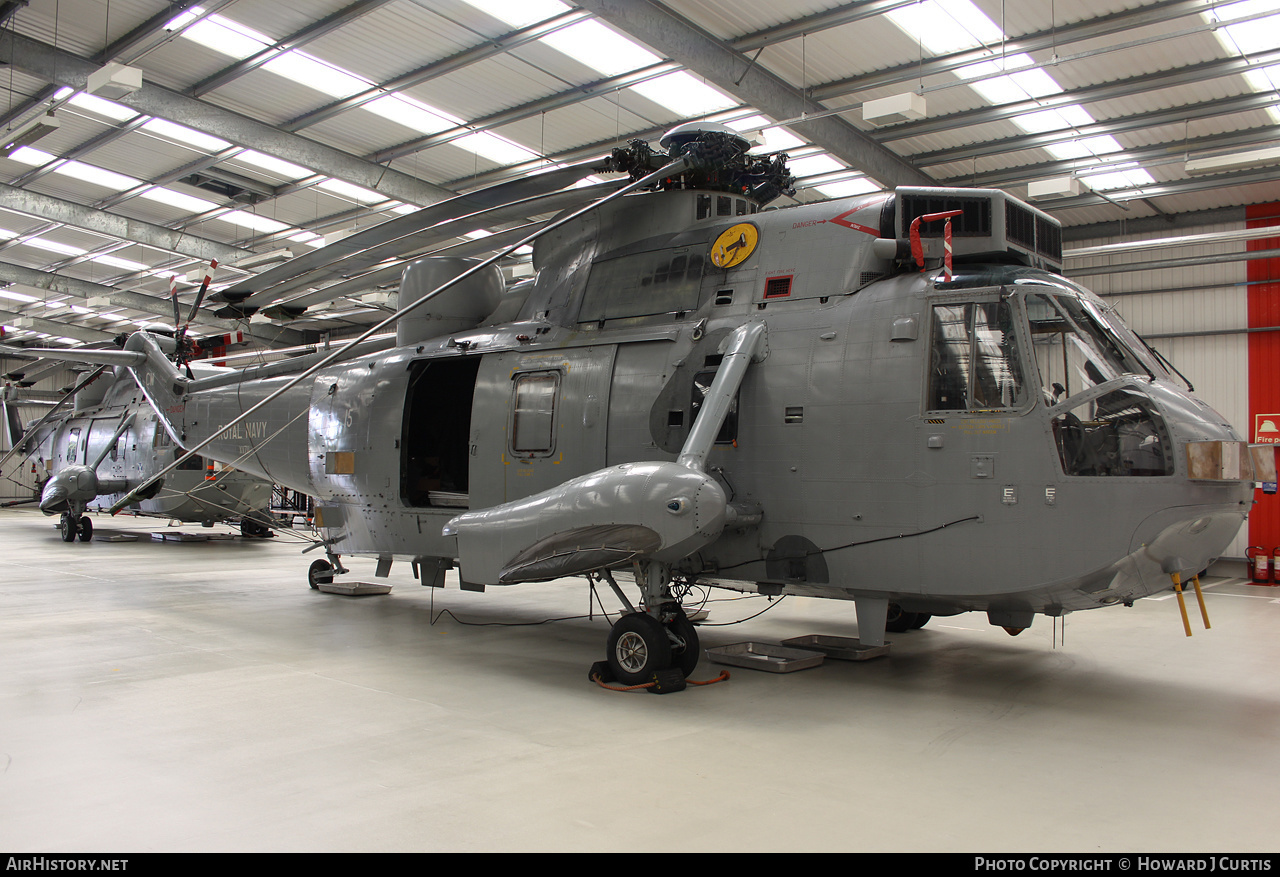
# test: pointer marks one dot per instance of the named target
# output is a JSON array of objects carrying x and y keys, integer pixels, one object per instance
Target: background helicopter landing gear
[
  {"x": 252, "y": 528},
  {"x": 320, "y": 573}
]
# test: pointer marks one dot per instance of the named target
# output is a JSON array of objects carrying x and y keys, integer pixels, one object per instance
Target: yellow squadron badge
[{"x": 734, "y": 245}]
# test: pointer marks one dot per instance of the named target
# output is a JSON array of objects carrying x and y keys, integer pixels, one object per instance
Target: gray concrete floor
[{"x": 167, "y": 696}]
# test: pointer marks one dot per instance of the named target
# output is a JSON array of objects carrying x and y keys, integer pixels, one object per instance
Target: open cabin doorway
[{"x": 435, "y": 445}]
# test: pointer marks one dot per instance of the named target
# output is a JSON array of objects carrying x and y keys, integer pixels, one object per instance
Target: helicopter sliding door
[{"x": 539, "y": 419}]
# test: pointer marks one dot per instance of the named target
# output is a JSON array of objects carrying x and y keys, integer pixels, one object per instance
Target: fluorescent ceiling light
[
  {"x": 186, "y": 136},
  {"x": 17, "y": 296},
  {"x": 520, "y": 13},
  {"x": 54, "y": 247},
  {"x": 600, "y": 48}
]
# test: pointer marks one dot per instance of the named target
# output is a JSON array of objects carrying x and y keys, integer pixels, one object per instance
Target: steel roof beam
[
  {"x": 731, "y": 71},
  {"x": 114, "y": 225},
  {"x": 63, "y": 68},
  {"x": 61, "y": 330}
]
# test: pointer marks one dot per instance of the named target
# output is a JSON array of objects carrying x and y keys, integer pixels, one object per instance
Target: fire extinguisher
[{"x": 1259, "y": 565}]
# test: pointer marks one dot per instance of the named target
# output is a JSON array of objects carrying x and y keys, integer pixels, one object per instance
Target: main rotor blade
[
  {"x": 433, "y": 214},
  {"x": 414, "y": 241},
  {"x": 381, "y": 276},
  {"x": 678, "y": 166}
]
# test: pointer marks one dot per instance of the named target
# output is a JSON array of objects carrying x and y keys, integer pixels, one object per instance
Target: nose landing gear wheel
[
  {"x": 685, "y": 657},
  {"x": 67, "y": 526},
  {"x": 638, "y": 647},
  {"x": 86, "y": 529}
]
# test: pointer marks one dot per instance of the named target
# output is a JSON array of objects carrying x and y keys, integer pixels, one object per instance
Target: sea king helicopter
[
  {"x": 895, "y": 399},
  {"x": 101, "y": 440}
]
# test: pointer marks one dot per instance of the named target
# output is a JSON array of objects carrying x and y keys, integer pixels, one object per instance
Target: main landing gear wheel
[
  {"x": 320, "y": 573},
  {"x": 86, "y": 529},
  {"x": 899, "y": 621},
  {"x": 638, "y": 647}
]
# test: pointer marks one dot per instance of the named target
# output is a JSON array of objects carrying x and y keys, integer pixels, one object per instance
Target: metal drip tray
[
  {"x": 844, "y": 648},
  {"x": 765, "y": 656}
]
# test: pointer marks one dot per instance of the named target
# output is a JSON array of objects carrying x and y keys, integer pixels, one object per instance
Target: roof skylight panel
[
  {"x": 186, "y": 136},
  {"x": 100, "y": 106},
  {"x": 520, "y": 13},
  {"x": 314, "y": 73},
  {"x": 600, "y": 48},
  {"x": 252, "y": 220},
  {"x": 1120, "y": 177},
  {"x": 684, "y": 94},
  {"x": 278, "y": 166},
  {"x": 412, "y": 114},
  {"x": 1248, "y": 37},
  {"x": 182, "y": 201},
  {"x": 355, "y": 193},
  {"x": 497, "y": 149}
]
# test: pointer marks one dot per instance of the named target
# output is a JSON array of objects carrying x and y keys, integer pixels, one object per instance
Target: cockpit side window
[
  {"x": 974, "y": 361},
  {"x": 1074, "y": 351}
]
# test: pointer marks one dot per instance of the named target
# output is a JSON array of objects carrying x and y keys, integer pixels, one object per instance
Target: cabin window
[
  {"x": 704, "y": 206},
  {"x": 533, "y": 413},
  {"x": 974, "y": 359},
  {"x": 73, "y": 445},
  {"x": 643, "y": 284}
]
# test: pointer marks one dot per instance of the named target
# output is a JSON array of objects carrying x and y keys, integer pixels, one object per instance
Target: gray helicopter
[
  {"x": 107, "y": 443},
  {"x": 895, "y": 399}
]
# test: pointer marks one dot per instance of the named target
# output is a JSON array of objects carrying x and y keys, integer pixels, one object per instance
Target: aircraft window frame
[
  {"x": 531, "y": 429},
  {"x": 1091, "y": 349},
  {"x": 1012, "y": 393},
  {"x": 73, "y": 444}
]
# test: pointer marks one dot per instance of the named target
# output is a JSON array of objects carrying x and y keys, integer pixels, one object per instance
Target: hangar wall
[{"x": 1196, "y": 314}]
